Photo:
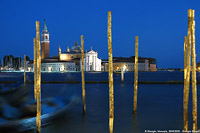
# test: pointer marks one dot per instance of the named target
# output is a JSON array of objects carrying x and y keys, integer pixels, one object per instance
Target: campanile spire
[{"x": 45, "y": 26}]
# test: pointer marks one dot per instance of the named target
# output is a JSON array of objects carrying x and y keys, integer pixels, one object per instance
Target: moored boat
[{"x": 52, "y": 109}]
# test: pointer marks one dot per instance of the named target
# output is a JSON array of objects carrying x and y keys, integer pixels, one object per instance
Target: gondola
[
  {"x": 52, "y": 109},
  {"x": 11, "y": 88},
  {"x": 15, "y": 94}
]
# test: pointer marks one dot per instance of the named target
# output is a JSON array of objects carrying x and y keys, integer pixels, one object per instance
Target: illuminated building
[
  {"x": 65, "y": 61},
  {"x": 128, "y": 64},
  {"x": 91, "y": 61},
  {"x": 58, "y": 66},
  {"x": 70, "y": 61},
  {"x": 75, "y": 53},
  {"x": 153, "y": 67}
]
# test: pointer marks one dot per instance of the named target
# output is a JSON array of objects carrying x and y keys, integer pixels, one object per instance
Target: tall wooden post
[
  {"x": 35, "y": 67},
  {"x": 111, "y": 88},
  {"x": 38, "y": 121},
  {"x": 194, "y": 82},
  {"x": 187, "y": 70},
  {"x": 82, "y": 74},
  {"x": 135, "y": 76},
  {"x": 185, "y": 57},
  {"x": 186, "y": 89},
  {"x": 122, "y": 75},
  {"x": 24, "y": 69},
  {"x": 189, "y": 50}
]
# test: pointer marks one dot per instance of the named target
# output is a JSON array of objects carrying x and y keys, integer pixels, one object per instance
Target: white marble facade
[{"x": 91, "y": 61}]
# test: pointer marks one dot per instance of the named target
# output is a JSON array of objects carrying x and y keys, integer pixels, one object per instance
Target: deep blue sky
[{"x": 160, "y": 24}]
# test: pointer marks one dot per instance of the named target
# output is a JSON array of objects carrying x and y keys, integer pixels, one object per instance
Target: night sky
[{"x": 160, "y": 24}]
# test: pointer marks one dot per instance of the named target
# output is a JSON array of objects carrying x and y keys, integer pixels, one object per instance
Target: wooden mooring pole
[
  {"x": 122, "y": 74},
  {"x": 111, "y": 88},
  {"x": 187, "y": 63},
  {"x": 38, "y": 121},
  {"x": 82, "y": 74},
  {"x": 35, "y": 67},
  {"x": 24, "y": 69},
  {"x": 186, "y": 97},
  {"x": 135, "y": 76},
  {"x": 186, "y": 89},
  {"x": 194, "y": 81}
]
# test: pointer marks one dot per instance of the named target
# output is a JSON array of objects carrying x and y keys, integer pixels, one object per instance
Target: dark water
[
  {"x": 159, "y": 105},
  {"x": 76, "y": 76}
]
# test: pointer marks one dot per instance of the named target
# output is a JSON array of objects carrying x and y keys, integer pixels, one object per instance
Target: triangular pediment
[{"x": 92, "y": 52}]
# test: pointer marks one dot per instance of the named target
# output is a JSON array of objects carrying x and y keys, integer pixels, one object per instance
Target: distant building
[
  {"x": 17, "y": 63},
  {"x": 22, "y": 65},
  {"x": 75, "y": 53},
  {"x": 11, "y": 63},
  {"x": 65, "y": 61},
  {"x": 91, "y": 61},
  {"x": 8, "y": 61},
  {"x": 153, "y": 67},
  {"x": 71, "y": 59},
  {"x": 58, "y": 66},
  {"x": 128, "y": 64}
]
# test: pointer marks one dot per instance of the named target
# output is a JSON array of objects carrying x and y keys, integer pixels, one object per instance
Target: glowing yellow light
[
  {"x": 124, "y": 68},
  {"x": 49, "y": 68},
  {"x": 62, "y": 68},
  {"x": 65, "y": 57},
  {"x": 29, "y": 69}
]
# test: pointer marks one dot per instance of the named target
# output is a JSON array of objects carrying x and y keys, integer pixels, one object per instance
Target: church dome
[{"x": 76, "y": 48}]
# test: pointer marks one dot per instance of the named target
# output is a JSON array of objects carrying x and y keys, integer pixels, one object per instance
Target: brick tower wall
[{"x": 45, "y": 50}]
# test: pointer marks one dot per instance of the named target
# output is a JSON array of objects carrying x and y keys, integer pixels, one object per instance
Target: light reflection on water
[{"x": 159, "y": 106}]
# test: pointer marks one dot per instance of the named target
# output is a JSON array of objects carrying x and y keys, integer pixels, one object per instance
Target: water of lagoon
[{"x": 159, "y": 105}]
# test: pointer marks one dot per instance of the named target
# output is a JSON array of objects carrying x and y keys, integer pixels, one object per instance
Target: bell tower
[{"x": 45, "y": 42}]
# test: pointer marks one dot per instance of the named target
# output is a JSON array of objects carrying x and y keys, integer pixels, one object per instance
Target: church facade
[{"x": 91, "y": 61}]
